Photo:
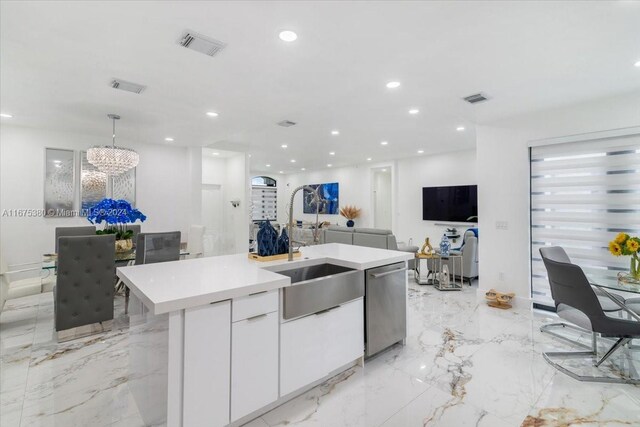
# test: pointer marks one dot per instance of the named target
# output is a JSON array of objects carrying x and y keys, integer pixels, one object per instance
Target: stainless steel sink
[{"x": 319, "y": 288}]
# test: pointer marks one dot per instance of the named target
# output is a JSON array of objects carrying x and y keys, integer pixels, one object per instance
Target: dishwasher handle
[{"x": 386, "y": 273}]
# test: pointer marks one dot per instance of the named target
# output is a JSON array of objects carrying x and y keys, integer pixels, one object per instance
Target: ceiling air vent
[
  {"x": 474, "y": 99},
  {"x": 200, "y": 43},
  {"x": 128, "y": 86},
  {"x": 286, "y": 123}
]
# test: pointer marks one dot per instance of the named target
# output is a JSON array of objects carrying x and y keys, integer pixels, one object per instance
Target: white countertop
[
  {"x": 358, "y": 257},
  {"x": 171, "y": 286}
]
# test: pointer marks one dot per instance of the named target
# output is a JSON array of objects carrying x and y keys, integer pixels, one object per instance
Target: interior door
[{"x": 382, "y": 198}]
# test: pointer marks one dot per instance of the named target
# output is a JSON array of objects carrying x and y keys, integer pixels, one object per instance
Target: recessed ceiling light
[
  {"x": 384, "y": 170},
  {"x": 169, "y": 139},
  {"x": 460, "y": 128},
  {"x": 215, "y": 154},
  {"x": 420, "y": 151},
  {"x": 287, "y": 36},
  {"x": 637, "y": 64},
  {"x": 280, "y": 171},
  {"x": 332, "y": 153},
  {"x": 284, "y": 146},
  {"x": 329, "y": 165},
  {"x": 212, "y": 114},
  {"x": 303, "y": 169},
  {"x": 292, "y": 160},
  {"x": 267, "y": 165},
  {"x": 384, "y": 143},
  {"x": 368, "y": 159},
  {"x": 5, "y": 115},
  {"x": 335, "y": 132},
  {"x": 414, "y": 111},
  {"x": 393, "y": 85}
]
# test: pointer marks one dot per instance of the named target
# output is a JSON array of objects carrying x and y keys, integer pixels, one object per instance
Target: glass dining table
[
  {"x": 610, "y": 286},
  {"x": 613, "y": 284},
  {"x": 50, "y": 261}
]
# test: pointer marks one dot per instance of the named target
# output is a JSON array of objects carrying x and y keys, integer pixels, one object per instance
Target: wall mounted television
[{"x": 451, "y": 204}]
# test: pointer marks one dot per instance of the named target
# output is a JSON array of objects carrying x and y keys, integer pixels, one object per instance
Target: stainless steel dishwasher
[{"x": 385, "y": 307}]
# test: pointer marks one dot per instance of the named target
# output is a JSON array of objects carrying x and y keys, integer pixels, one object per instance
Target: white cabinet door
[
  {"x": 302, "y": 353},
  {"x": 344, "y": 328},
  {"x": 313, "y": 346},
  {"x": 254, "y": 364},
  {"x": 207, "y": 365}
]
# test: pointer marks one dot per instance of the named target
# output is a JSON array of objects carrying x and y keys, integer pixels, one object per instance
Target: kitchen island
[{"x": 221, "y": 340}]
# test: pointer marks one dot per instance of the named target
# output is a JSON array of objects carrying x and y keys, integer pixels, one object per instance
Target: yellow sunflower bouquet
[{"x": 626, "y": 245}]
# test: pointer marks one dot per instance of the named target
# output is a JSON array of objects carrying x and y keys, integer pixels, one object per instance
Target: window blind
[
  {"x": 582, "y": 195},
  {"x": 264, "y": 203}
]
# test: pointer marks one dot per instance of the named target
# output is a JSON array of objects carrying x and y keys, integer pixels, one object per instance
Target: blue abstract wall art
[{"x": 329, "y": 195}]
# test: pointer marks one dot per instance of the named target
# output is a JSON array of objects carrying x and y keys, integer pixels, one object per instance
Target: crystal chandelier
[
  {"x": 113, "y": 160},
  {"x": 94, "y": 180}
]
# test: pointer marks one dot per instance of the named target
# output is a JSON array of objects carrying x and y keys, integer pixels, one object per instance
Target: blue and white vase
[
  {"x": 267, "y": 239},
  {"x": 350, "y": 223},
  {"x": 445, "y": 245},
  {"x": 283, "y": 242}
]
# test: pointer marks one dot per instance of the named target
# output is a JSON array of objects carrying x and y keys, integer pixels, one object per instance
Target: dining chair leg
[{"x": 617, "y": 345}]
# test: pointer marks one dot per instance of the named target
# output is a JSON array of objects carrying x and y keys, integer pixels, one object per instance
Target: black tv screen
[{"x": 453, "y": 204}]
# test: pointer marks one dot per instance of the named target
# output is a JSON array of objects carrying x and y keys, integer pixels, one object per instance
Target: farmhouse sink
[{"x": 318, "y": 288}]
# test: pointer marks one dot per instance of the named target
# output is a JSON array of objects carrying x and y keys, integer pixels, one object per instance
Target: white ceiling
[{"x": 57, "y": 59}]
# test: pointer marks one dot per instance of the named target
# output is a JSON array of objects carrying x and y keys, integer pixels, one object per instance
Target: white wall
[
  {"x": 163, "y": 188},
  {"x": 355, "y": 189},
  {"x": 503, "y": 180},
  {"x": 453, "y": 168},
  {"x": 214, "y": 170},
  {"x": 238, "y": 189},
  {"x": 231, "y": 174},
  {"x": 408, "y": 178}
]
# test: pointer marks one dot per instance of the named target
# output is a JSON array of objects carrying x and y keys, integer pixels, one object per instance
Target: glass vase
[
  {"x": 634, "y": 268},
  {"x": 633, "y": 277}
]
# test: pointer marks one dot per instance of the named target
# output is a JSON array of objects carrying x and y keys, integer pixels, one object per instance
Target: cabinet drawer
[{"x": 254, "y": 305}]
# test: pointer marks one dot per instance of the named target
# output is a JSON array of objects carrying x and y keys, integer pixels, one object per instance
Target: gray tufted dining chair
[
  {"x": 84, "y": 290},
  {"x": 158, "y": 247},
  {"x": 84, "y": 230}
]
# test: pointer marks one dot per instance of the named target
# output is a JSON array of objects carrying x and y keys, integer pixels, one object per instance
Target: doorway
[{"x": 382, "y": 198}]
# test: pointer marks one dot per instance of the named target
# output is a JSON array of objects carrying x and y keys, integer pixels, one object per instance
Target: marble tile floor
[{"x": 465, "y": 364}]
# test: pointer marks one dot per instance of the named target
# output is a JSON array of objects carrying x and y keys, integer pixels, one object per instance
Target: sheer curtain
[{"x": 582, "y": 194}]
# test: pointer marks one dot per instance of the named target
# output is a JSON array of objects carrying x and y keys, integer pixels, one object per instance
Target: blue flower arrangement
[{"x": 115, "y": 213}]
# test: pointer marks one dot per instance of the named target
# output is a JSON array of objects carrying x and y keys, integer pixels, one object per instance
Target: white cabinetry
[
  {"x": 207, "y": 341},
  {"x": 254, "y": 353},
  {"x": 315, "y": 345}
]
